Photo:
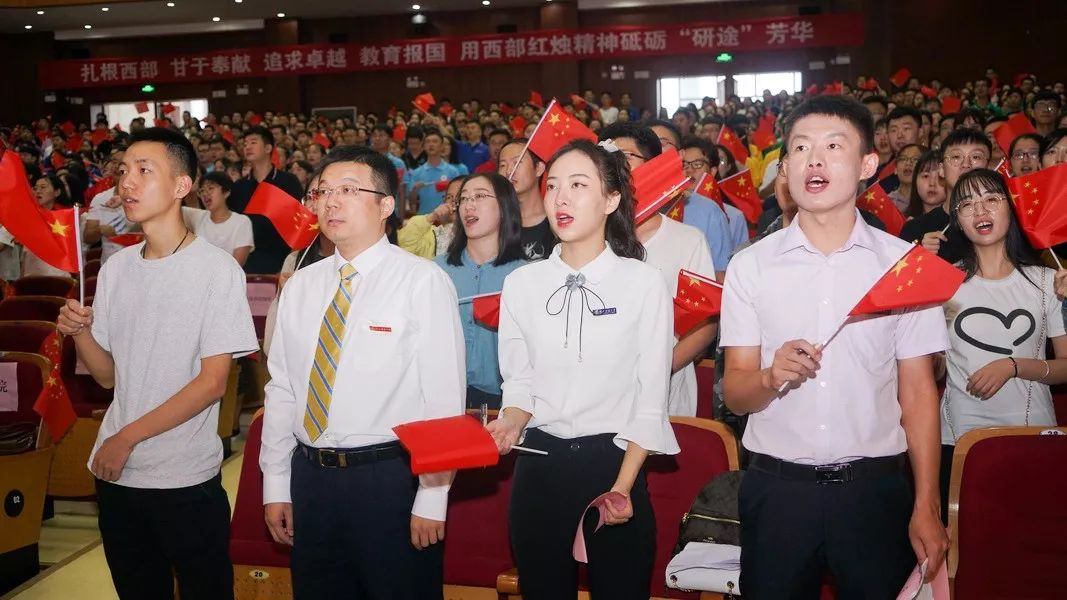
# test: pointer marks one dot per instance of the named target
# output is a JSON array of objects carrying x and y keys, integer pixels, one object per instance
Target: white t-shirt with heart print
[{"x": 990, "y": 320}]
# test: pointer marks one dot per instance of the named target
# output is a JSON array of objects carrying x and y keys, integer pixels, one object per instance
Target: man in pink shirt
[{"x": 827, "y": 487}]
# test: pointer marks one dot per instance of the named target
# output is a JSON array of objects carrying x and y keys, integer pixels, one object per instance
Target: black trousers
[
  {"x": 946, "y": 477},
  {"x": 793, "y": 532},
  {"x": 476, "y": 398},
  {"x": 548, "y": 496},
  {"x": 352, "y": 534},
  {"x": 152, "y": 536}
]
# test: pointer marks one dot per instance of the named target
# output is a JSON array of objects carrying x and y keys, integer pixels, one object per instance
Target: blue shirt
[
  {"x": 429, "y": 175},
  {"x": 473, "y": 155},
  {"x": 738, "y": 225},
  {"x": 470, "y": 279},
  {"x": 702, "y": 212}
]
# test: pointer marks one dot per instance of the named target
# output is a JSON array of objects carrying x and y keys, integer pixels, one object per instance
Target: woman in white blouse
[{"x": 585, "y": 345}]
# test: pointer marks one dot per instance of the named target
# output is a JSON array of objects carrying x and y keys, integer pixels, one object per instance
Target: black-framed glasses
[
  {"x": 346, "y": 192},
  {"x": 634, "y": 155},
  {"x": 694, "y": 164}
]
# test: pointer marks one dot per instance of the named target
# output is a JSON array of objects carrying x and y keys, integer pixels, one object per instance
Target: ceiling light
[
  {"x": 238, "y": 1},
  {"x": 29, "y": 26},
  {"x": 416, "y": 7},
  {"x": 104, "y": 9},
  {"x": 170, "y": 5},
  {"x": 281, "y": 15},
  {"x": 216, "y": 19},
  {"x": 40, "y": 12},
  {"x": 88, "y": 26},
  {"x": 485, "y": 2}
]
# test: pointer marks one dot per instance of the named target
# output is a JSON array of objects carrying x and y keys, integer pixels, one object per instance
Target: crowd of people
[{"x": 585, "y": 363}]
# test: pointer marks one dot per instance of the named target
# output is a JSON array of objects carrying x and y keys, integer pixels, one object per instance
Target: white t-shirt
[
  {"x": 609, "y": 115},
  {"x": 233, "y": 233},
  {"x": 113, "y": 217},
  {"x": 990, "y": 320},
  {"x": 673, "y": 247}
]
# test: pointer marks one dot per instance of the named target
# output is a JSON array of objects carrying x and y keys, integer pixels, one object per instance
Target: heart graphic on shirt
[{"x": 1005, "y": 320}]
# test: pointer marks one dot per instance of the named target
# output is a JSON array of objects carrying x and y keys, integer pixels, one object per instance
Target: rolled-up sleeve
[{"x": 649, "y": 426}]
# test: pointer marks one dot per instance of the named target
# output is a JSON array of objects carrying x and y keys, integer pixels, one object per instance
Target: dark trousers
[
  {"x": 352, "y": 534},
  {"x": 476, "y": 398},
  {"x": 946, "y": 477},
  {"x": 548, "y": 496},
  {"x": 793, "y": 532},
  {"x": 152, "y": 536}
]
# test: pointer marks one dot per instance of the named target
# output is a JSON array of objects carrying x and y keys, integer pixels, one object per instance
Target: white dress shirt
[
  {"x": 402, "y": 360},
  {"x": 673, "y": 247},
  {"x": 580, "y": 373},
  {"x": 782, "y": 288}
]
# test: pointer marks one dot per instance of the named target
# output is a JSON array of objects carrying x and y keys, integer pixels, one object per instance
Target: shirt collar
[
  {"x": 595, "y": 271},
  {"x": 794, "y": 237},
  {"x": 365, "y": 261}
]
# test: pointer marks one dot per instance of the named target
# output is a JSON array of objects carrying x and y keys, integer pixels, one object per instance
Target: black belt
[
  {"x": 340, "y": 458},
  {"x": 836, "y": 473}
]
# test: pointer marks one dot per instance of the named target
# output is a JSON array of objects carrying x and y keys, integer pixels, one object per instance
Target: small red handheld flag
[
  {"x": 555, "y": 130},
  {"x": 656, "y": 182},
  {"x": 400, "y": 132},
  {"x": 424, "y": 102},
  {"x": 887, "y": 170},
  {"x": 536, "y": 99},
  {"x": 297, "y": 225},
  {"x": 49, "y": 234},
  {"x": 1004, "y": 168},
  {"x": 900, "y": 77},
  {"x": 1015, "y": 126},
  {"x": 698, "y": 299},
  {"x": 322, "y": 140},
  {"x": 440, "y": 186},
  {"x": 142, "y": 107},
  {"x": 53, "y": 403},
  {"x": 487, "y": 310},
  {"x": 919, "y": 278},
  {"x": 928, "y": 91},
  {"x": 951, "y": 105},
  {"x": 875, "y": 201},
  {"x": 447, "y": 444},
  {"x": 742, "y": 192},
  {"x": 518, "y": 126},
  {"x": 729, "y": 139},
  {"x": 763, "y": 137},
  {"x": 707, "y": 187},
  {"x": 1040, "y": 200}
]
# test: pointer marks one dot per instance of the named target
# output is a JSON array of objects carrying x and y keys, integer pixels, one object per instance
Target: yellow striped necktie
[{"x": 327, "y": 356}]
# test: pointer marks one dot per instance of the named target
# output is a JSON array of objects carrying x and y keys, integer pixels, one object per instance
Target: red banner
[{"x": 524, "y": 47}]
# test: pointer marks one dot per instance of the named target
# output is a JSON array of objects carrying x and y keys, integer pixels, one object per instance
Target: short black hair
[
  {"x": 263, "y": 133},
  {"x": 383, "y": 172},
  {"x": 903, "y": 112},
  {"x": 670, "y": 127},
  {"x": 415, "y": 131},
  {"x": 382, "y": 127},
  {"x": 713, "y": 120},
  {"x": 432, "y": 131},
  {"x": 706, "y": 147},
  {"x": 499, "y": 131},
  {"x": 975, "y": 113},
  {"x": 876, "y": 100},
  {"x": 218, "y": 178},
  {"x": 179, "y": 148},
  {"x": 1047, "y": 95},
  {"x": 646, "y": 140},
  {"x": 965, "y": 135},
  {"x": 522, "y": 142},
  {"x": 1052, "y": 139},
  {"x": 842, "y": 107}
]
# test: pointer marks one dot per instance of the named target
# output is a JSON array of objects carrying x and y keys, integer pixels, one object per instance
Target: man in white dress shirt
[
  {"x": 827, "y": 487},
  {"x": 365, "y": 341}
]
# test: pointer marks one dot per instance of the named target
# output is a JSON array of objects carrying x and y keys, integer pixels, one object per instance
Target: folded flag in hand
[
  {"x": 459, "y": 442},
  {"x": 698, "y": 298},
  {"x": 656, "y": 182},
  {"x": 53, "y": 403},
  {"x": 297, "y": 225},
  {"x": 919, "y": 278},
  {"x": 486, "y": 309},
  {"x": 127, "y": 239}
]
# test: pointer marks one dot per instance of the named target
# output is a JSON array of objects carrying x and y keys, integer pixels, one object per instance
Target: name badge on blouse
[
  {"x": 604, "y": 311},
  {"x": 381, "y": 328}
]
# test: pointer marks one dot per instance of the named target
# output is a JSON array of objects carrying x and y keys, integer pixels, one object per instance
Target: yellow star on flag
[
  {"x": 59, "y": 228},
  {"x": 313, "y": 227},
  {"x": 694, "y": 281},
  {"x": 553, "y": 119},
  {"x": 900, "y": 266},
  {"x": 51, "y": 381},
  {"x": 709, "y": 187}
]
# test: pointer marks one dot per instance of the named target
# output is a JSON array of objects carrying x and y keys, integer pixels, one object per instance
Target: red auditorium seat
[
  {"x": 1008, "y": 512},
  {"x": 705, "y": 370},
  {"x": 93, "y": 254},
  {"x": 31, "y": 308},
  {"x": 261, "y": 286},
  {"x": 43, "y": 285},
  {"x": 24, "y": 336}
]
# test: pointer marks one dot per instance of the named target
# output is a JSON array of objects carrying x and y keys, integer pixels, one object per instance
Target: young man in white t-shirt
[
  {"x": 170, "y": 315},
  {"x": 219, "y": 225}
]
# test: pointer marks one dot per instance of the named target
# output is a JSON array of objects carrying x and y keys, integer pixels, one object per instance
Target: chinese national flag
[
  {"x": 255, "y": 119},
  {"x": 917, "y": 279},
  {"x": 228, "y": 136},
  {"x": 487, "y": 310},
  {"x": 951, "y": 105},
  {"x": 1040, "y": 201},
  {"x": 698, "y": 299},
  {"x": 536, "y": 99},
  {"x": 900, "y": 77},
  {"x": 447, "y": 444},
  {"x": 870, "y": 84},
  {"x": 169, "y": 108},
  {"x": 446, "y": 110},
  {"x": 709, "y": 188},
  {"x": 677, "y": 212},
  {"x": 879, "y": 204},
  {"x": 1015, "y": 126},
  {"x": 142, "y": 107},
  {"x": 53, "y": 403},
  {"x": 507, "y": 109},
  {"x": 656, "y": 182},
  {"x": 99, "y": 135},
  {"x": 742, "y": 192},
  {"x": 555, "y": 130},
  {"x": 424, "y": 102},
  {"x": 297, "y": 225},
  {"x": 127, "y": 239},
  {"x": 49, "y": 234},
  {"x": 518, "y": 126},
  {"x": 729, "y": 139},
  {"x": 763, "y": 137},
  {"x": 578, "y": 102},
  {"x": 400, "y": 132},
  {"x": 887, "y": 170},
  {"x": 833, "y": 89},
  {"x": 275, "y": 159}
]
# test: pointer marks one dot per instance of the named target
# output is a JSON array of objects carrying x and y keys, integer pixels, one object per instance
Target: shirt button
[
  {"x": 575, "y": 446},
  {"x": 825, "y": 300},
  {"x": 822, "y": 384}
]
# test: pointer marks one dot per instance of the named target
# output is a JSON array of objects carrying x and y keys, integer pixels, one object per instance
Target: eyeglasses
[
  {"x": 1024, "y": 154},
  {"x": 634, "y": 156},
  {"x": 346, "y": 192},
  {"x": 987, "y": 205},
  {"x": 1045, "y": 106},
  {"x": 975, "y": 159},
  {"x": 477, "y": 199},
  {"x": 907, "y": 160},
  {"x": 694, "y": 164}
]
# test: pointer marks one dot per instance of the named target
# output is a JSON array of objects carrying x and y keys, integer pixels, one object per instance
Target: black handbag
[
  {"x": 714, "y": 517},
  {"x": 17, "y": 438}
]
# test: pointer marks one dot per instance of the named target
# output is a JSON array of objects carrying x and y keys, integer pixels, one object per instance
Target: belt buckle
[
  {"x": 839, "y": 473},
  {"x": 331, "y": 459}
]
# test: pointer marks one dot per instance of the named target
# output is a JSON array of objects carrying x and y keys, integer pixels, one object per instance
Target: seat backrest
[
  {"x": 30, "y": 373},
  {"x": 90, "y": 286},
  {"x": 1008, "y": 512},
  {"x": 705, "y": 372},
  {"x": 24, "y": 336},
  {"x": 31, "y": 308},
  {"x": 85, "y": 393},
  {"x": 260, "y": 290},
  {"x": 477, "y": 540},
  {"x": 708, "y": 449},
  {"x": 43, "y": 285},
  {"x": 92, "y": 267},
  {"x": 250, "y": 540}
]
